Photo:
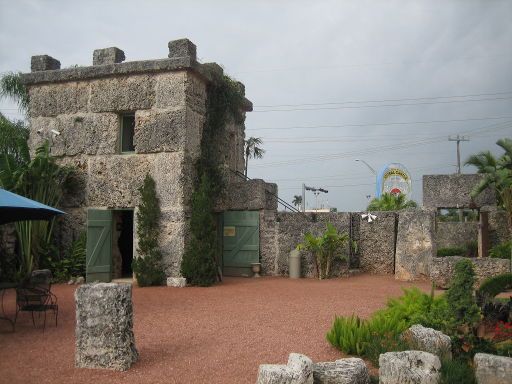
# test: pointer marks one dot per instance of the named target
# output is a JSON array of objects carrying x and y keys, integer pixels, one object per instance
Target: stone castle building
[{"x": 117, "y": 121}]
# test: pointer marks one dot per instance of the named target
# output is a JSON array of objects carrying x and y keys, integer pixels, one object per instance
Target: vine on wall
[{"x": 225, "y": 98}]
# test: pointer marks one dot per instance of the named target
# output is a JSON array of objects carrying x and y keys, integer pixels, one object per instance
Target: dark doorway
[{"x": 125, "y": 243}]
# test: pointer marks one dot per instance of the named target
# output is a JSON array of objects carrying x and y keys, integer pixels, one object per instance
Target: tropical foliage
[
  {"x": 252, "y": 150},
  {"x": 147, "y": 266},
  {"x": 325, "y": 249},
  {"x": 297, "y": 201},
  {"x": 12, "y": 87},
  {"x": 391, "y": 202}
]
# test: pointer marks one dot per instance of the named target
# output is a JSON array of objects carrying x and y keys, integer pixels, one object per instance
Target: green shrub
[
  {"x": 504, "y": 348},
  {"x": 451, "y": 251},
  {"x": 471, "y": 249},
  {"x": 199, "y": 265},
  {"x": 456, "y": 371},
  {"x": 460, "y": 296},
  {"x": 148, "y": 266},
  {"x": 350, "y": 335},
  {"x": 492, "y": 286},
  {"x": 73, "y": 264},
  {"x": 501, "y": 251}
]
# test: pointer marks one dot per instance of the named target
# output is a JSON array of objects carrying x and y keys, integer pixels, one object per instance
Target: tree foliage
[
  {"x": 252, "y": 150},
  {"x": 148, "y": 266},
  {"x": 297, "y": 201},
  {"x": 11, "y": 87},
  {"x": 391, "y": 202}
]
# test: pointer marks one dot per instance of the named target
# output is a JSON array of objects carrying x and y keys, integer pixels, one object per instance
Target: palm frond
[{"x": 11, "y": 87}]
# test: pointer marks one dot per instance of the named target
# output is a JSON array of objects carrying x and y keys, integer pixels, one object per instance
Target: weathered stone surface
[
  {"x": 343, "y": 371},
  {"x": 268, "y": 242},
  {"x": 499, "y": 231},
  {"x": 453, "y": 191},
  {"x": 83, "y": 133},
  {"x": 492, "y": 369},
  {"x": 409, "y": 367},
  {"x": 299, "y": 370},
  {"x": 376, "y": 243},
  {"x": 110, "y": 55},
  {"x": 172, "y": 240},
  {"x": 104, "y": 326},
  {"x": 113, "y": 181},
  {"x": 171, "y": 172},
  {"x": 177, "y": 282},
  {"x": 68, "y": 228},
  {"x": 122, "y": 94},
  {"x": 249, "y": 195},
  {"x": 182, "y": 48},
  {"x": 443, "y": 268},
  {"x": 429, "y": 340},
  {"x": 415, "y": 245},
  {"x": 56, "y": 99},
  {"x": 455, "y": 234},
  {"x": 43, "y": 63},
  {"x": 160, "y": 130}
]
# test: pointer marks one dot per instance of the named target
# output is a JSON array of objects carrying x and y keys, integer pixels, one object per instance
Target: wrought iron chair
[{"x": 36, "y": 296}]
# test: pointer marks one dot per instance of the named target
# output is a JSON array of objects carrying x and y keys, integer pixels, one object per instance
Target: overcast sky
[{"x": 328, "y": 79}]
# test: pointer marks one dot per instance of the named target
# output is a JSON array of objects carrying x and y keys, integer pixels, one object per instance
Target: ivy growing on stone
[
  {"x": 225, "y": 98},
  {"x": 148, "y": 266}
]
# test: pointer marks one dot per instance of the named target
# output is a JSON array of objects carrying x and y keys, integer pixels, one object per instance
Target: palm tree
[
  {"x": 297, "y": 201},
  {"x": 252, "y": 151},
  {"x": 498, "y": 175},
  {"x": 11, "y": 87},
  {"x": 391, "y": 202}
]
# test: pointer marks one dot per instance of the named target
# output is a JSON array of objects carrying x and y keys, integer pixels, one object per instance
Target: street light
[{"x": 368, "y": 165}]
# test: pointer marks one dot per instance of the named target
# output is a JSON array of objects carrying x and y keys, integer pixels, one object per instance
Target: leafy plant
[
  {"x": 325, "y": 249},
  {"x": 504, "y": 348},
  {"x": 148, "y": 266},
  {"x": 492, "y": 286},
  {"x": 252, "y": 150},
  {"x": 350, "y": 335},
  {"x": 501, "y": 251},
  {"x": 391, "y": 202},
  {"x": 72, "y": 264},
  {"x": 12, "y": 87},
  {"x": 460, "y": 295},
  {"x": 456, "y": 371}
]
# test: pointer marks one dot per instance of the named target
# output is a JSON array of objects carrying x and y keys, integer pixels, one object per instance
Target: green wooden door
[
  {"x": 99, "y": 246},
  {"x": 241, "y": 242}
]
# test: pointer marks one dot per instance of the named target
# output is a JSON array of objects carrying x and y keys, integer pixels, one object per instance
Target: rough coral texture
[
  {"x": 455, "y": 234},
  {"x": 429, "y": 340},
  {"x": 409, "y": 367},
  {"x": 443, "y": 268},
  {"x": 299, "y": 370},
  {"x": 104, "y": 327},
  {"x": 454, "y": 191},
  {"x": 344, "y": 371},
  {"x": 415, "y": 245},
  {"x": 492, "y": 369}
]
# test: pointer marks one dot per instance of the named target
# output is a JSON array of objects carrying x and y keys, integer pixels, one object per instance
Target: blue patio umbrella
[{"x": 14, "y": 207}]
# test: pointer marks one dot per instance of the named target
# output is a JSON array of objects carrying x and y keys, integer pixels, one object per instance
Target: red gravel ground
[{"x": 199, "y": 335}]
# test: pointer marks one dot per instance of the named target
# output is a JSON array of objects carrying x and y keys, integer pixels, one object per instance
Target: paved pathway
[{"x": 200, "y": 335}]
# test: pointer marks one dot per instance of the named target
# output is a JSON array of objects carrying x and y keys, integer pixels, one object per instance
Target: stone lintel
[
  {"x": 182, "y": 48},
  {"x": 112, "y": 55},
  {"x": 43, "y": 63}
]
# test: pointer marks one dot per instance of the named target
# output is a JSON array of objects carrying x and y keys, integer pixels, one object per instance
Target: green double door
[{"x": 241, "y": 242}]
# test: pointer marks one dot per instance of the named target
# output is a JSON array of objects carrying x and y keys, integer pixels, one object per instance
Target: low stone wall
[
  {"x": 442, "y": 269},
  {"x": 455, "y": 234},
  {"x": 499, "y": 231}
]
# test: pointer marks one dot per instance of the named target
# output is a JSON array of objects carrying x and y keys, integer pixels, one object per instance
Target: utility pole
[
  {"x": 314, "y": 190},
  {"x": 458, "y": 139}
]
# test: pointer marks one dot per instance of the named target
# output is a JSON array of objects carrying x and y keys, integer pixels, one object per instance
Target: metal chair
[{"x": 36, "y": 296}]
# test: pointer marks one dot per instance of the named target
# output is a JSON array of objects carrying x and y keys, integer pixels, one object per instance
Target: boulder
[
  {"x": 104, "y": 326},
  {"x": 425, "y": 339},
  {"x": 492, "y": 369},
  {"x": 299, "y": 370},
  {"x": 409, "y": 367},
  {"x": 343, "y": 371}
]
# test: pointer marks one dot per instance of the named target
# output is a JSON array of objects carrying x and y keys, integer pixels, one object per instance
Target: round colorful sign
[{"x": 394, "y": 178}]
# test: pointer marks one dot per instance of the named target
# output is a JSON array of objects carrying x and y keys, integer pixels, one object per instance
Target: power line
[
  {"x": 382, "y": 105},
  {"x": 383, "y": 101},
  {"x": 385, "y": 124},
  {"x": 377, "y": 148}
]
